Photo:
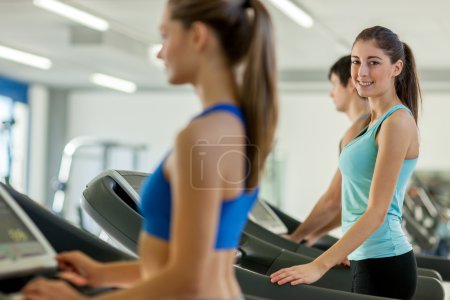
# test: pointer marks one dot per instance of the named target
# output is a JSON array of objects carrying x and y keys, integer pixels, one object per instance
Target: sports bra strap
[{"x": 231, "y": 108}]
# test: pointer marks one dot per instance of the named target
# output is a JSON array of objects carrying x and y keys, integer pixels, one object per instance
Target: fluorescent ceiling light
[
  {"x": 113, "y": 83},
  {"x": 25, "y": 58},
  {"x": 73, "y": 13},
  {"x": 294, "y": 12}
]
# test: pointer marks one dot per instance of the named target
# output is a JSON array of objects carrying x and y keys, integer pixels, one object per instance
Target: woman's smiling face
[{"x": 372, "y": 72}]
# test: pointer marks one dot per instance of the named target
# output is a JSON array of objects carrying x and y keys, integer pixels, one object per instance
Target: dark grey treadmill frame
[
  {"x": 252, "y": 284},
  {"x": 266, "y": 258}
]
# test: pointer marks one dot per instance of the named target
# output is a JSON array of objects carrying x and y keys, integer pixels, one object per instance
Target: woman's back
[{"x": 223, "y": 144}]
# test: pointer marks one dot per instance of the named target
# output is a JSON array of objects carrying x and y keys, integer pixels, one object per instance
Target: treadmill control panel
[{"x": 16, "y": 240}]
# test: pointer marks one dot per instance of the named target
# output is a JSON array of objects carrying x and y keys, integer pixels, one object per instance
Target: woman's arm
[
  {"x": 120, "y": 274},
  {"x": 394, "y": 139},
  {"x": 314, "y": 237},
  {"x": 80, "y": 269}
]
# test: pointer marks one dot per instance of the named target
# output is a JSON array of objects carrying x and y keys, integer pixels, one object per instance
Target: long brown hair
[
  {"x": 407, "y": 84},
  {"x": 244, "y": 28}
]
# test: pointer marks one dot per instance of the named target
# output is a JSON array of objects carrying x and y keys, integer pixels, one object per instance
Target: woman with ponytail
[
  {"x": 375, "y": 168},
  {"x": 196, "y": 203}
]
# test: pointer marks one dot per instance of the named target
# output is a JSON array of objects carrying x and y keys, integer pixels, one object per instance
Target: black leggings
[{"x": 393, "y": 277}]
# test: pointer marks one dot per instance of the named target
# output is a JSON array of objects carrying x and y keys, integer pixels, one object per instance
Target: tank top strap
[
  {"x": 232, "y": 109},
  {"x": 387, "y": 114}
]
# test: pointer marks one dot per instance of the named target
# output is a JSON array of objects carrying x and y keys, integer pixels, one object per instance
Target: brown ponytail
[
  {"x": 407, "y": 83},
  {"x": 259, "y": 90},
  {"x": 244, "y": 28}
]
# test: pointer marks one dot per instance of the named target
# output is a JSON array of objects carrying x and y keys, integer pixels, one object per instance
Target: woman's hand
[
  {"x": 79, "y": 269},
  {"x": 346, "y": 263},
  {"x": 301, "y": 274},
  {"x": 309, "y": 240},
  {"x": 312, "y": 239},
  {"x": 287, "y": 237},
  {"x": 291, "y": 238},
  {"x": 44, "y": 289}
]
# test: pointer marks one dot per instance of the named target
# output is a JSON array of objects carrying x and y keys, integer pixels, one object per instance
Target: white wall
[
  {"x": 150, "y": 118},
  {"x": 308, "y": 136},
  {"x": 434, "y": 127}
]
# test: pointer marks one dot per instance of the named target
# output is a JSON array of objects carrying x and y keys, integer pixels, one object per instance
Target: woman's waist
[
  {"x": 216, "y": 280},
  {"x": 387, "y": 240},
  {"x": 216, "y": 267},
  {"x": 389, "y": 231},
  {"x": 349, "y": 217}
]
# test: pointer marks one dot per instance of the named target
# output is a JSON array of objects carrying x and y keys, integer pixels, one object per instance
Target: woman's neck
[
  {"x": 216, "y": 86},
  {"x": 357, "y": 109},
  {"x": 381, "y": 104}
]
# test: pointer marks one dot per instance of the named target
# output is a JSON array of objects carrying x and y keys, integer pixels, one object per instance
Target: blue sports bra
[{"x": 156, "y": 201}]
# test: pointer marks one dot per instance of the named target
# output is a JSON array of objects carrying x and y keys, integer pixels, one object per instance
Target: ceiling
[{"x": 304, "y": 55}]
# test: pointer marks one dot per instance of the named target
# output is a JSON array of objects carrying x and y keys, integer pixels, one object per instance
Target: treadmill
[
  {"x": 112, "y": 202},
  {"x": 439, "y": 264},
  {"x": 265, "y": 216}
]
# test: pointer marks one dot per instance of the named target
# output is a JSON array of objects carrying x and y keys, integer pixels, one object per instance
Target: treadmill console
[
  {"x": 263, "y": 215},
  {"x": 23, "y": 248}
]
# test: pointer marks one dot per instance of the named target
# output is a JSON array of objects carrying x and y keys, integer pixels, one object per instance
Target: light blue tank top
[{"x": 357, "y": 164}]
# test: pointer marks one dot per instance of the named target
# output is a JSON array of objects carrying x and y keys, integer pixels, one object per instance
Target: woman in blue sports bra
[
  {"x": 196, "y": 203},
  {"x": 375, "y": 168}
]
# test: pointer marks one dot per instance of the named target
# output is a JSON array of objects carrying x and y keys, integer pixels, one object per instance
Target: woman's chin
[
  {"x": 175, "y": 80},
  {"x": 363, "y": 94}
]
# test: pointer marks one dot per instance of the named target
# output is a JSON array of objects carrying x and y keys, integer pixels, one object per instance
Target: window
[
  {"x": 13, "y": 142},
  {"x": 5, "y": 138}
]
